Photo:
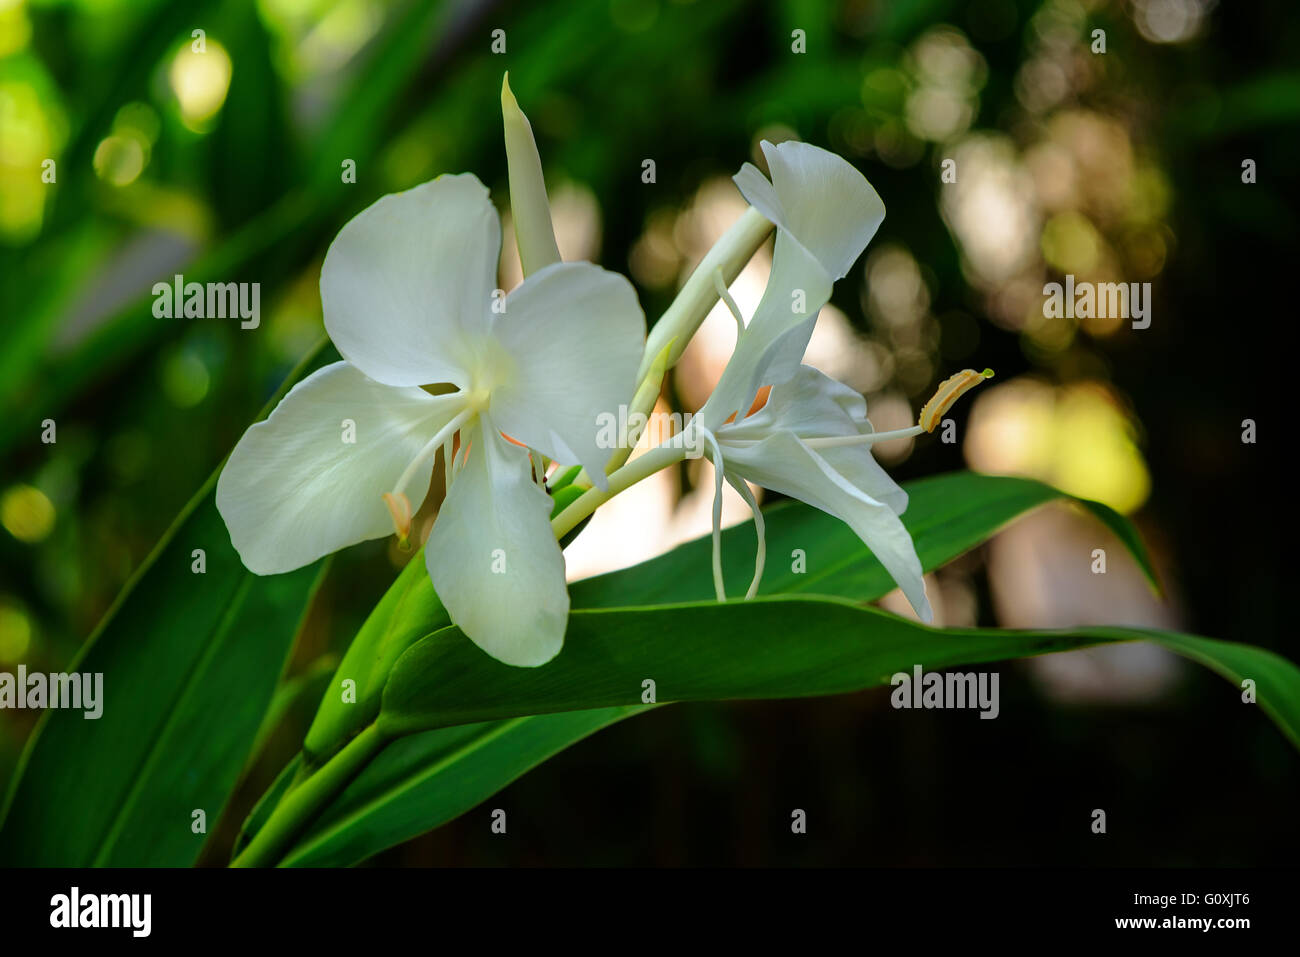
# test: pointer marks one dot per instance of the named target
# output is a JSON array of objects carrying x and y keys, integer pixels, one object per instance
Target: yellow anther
[
  {"x": 399, "y": 506},
  {"x": 950, "y": 390}
]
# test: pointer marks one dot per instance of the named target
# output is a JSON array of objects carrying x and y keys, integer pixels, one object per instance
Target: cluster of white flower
[{"x": 409, "y": 299}]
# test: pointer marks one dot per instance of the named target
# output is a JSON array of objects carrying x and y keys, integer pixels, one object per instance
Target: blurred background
[{"x": 227, "y": 164}]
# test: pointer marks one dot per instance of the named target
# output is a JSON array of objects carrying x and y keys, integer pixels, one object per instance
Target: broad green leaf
[
  {"x": 420, "y": 782},
  {"x": 765, "y": 648},
  {"x": 190, "y": 661},
  {"x": 947, "y": 515},
  {"x": 302, "y": 690}
]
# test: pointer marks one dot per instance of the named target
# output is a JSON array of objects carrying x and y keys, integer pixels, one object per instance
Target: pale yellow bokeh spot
[
  {"x": 15, "y": 635},
  {"x": 1074, "y": 437},
  {"x": 200, "y": 82},
  {"x": 119, "y": 160},
  {"x": 15, "y": 28},
  {"x": 26, "y": 513},
  {"x": 1071, "y": 243},
  {"x": 28, "y": 137}
]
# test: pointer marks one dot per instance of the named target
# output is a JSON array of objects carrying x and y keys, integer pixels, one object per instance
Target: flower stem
[
  {"x": 671, "y": 334},
  {"x": 303, "y": 802},
  {"x": 660, "y": 457}
]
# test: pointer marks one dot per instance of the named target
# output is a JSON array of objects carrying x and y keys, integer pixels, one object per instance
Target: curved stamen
[
  {"x": 950, "y": 390},
  {"x": 719, "y": 588},
  {"x": 431, "y": 447},
  {"x": 760, "y": 556},
  {"x": 721, "y": 286}
]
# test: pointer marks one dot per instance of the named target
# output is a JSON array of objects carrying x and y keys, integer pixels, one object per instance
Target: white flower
[
  {"x": 407, "y": 289},
  {"x": 811, "y": 439},
  {"x": 825, "y": 213}
]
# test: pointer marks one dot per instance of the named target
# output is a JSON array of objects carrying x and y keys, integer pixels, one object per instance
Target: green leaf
[
  {"x": 765, "y": 648},
  {"x": 301, "y": 691},
  {"x": 267, "y": 802},
  {"x": 948, "y": 515},
  {"x": 190, "y": 663},
  {"x": 773, "y": 647},
  {"x": 420, "y": 782}
]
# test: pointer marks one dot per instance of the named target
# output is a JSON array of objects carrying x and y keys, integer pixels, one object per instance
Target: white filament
[
  {"x": 431, "y": 447},
  {"x": 760, "y": 556},
  {"x": 719, "y": 588}
]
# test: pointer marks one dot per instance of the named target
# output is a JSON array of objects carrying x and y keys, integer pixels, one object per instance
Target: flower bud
[{"x": 528, "y": 205}]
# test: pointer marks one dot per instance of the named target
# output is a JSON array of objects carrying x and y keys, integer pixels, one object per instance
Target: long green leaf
[
  {"x": 765, "y": 648},
  {"x": 948, "y": 515},
  {"x": 774, "y": 647},
  {"x": 190, "y": 662}
]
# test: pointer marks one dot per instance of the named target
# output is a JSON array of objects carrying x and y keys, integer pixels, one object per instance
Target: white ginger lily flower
[
  {"x": 811, "y": 439},
  {"x": 407, "y": 289},
  {"x": 825, "y": 212}
]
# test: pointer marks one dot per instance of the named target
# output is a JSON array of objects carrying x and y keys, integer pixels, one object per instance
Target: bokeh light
[
  {"x": 1076, "y": 437},
  {"x": 119, "y": 160},
  {"x": 26, "y": 513},
  {"x": 15, "y": 633},
  {"x": 200, "y": 81}
]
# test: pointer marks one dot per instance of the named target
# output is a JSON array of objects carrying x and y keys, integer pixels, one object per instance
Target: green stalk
[
  {"x": 305, "y": 801},
  {"x": 660, "y": 457}
]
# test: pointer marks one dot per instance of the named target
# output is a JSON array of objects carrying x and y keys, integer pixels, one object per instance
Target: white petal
[
  {"x": 407, "y": 284},
  {"x": 784, "y": 464},
  {"x": 574, "y": 333},
  {"x": 294, "y": 490},
  {"x": 812, "y": 404},
  {"x": 493, "y": 557},
  {"x": 770, "y": 349},
  {"x": 760, "y": 194},
  {"x": 818, "y": 197}
]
